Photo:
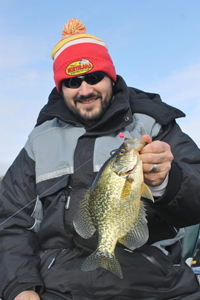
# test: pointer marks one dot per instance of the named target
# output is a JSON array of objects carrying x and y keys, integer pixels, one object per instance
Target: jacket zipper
[
  {"x": 153, "y": 261},
  {"x": 53, "y": 256},
  {"x": 68, "y": 197},
  {"x": 63, "y": 197}
]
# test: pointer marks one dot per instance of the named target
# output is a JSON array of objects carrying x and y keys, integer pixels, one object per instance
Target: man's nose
[{"x": 85, "y": 89}]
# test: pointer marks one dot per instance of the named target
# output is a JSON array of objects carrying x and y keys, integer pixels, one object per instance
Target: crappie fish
[{"x": 112, "y": 206}]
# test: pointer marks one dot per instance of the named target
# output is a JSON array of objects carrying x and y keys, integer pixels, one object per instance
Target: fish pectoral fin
[
  {"x": 138, "y": 234},
  {"x": 102, "y": 259},
  {"x": 82, "y": 221},
  {"x": 126, "y": 190},
  {"x": 145, "y": 192}
]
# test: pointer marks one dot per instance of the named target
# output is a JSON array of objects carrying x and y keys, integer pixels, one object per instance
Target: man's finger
[{"x": 146, "y": 138}]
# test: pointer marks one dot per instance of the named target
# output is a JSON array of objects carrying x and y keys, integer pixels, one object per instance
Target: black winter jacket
[{"x": 41, "y": 192}]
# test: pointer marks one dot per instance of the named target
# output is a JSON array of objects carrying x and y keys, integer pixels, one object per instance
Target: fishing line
[{"x": 18, "y": 211}]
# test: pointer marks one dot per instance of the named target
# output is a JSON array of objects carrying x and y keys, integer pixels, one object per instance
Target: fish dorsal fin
[{"x": 145, "y": 192}]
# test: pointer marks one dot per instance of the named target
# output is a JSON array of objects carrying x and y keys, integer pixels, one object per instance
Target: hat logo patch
[{"x": 79, "y": 67}]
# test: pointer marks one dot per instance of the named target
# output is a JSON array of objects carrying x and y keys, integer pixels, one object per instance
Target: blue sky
[{"x": 154, "y": 44}]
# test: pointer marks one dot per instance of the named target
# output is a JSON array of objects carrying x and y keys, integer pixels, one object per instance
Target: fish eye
[{"x": 121, "y": 152}]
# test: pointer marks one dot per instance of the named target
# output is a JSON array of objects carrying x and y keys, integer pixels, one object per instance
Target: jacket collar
[
  {"x": 117, "y": 116},
  {"x": 126, "y": 101}
]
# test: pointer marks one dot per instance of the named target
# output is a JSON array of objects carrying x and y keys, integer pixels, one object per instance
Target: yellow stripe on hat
[
  {"x": 79, "y": 41},
  {"x": 79, "y": 38}
]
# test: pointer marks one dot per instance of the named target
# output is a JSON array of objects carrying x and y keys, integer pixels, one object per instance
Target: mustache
[{"x": 82, "y": 98}]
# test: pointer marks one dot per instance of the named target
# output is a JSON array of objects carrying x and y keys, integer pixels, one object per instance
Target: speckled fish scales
[{"x": 113, "y": 207}]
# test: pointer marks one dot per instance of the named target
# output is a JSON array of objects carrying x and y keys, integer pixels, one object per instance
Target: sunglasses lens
[
  {"x": 91, "y": 79},
  {"x": 72, "y": 83},
  {"x": 94, "y": 78}
]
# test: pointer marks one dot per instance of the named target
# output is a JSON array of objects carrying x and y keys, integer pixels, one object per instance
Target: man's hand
[
  {"x": 159, "y": 153},
  {"x": 27, "y": 295}
]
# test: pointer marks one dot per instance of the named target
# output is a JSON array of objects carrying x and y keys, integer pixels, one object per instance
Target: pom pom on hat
[
  {"x": 78, "y": 53},
  {"x": 74, "y": 26}
]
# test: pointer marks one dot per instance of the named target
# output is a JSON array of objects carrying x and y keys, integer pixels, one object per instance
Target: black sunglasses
[{"x": 91, "y": 78}]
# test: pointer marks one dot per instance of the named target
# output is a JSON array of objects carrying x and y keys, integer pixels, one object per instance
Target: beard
[{"x": 88, "y": 116}]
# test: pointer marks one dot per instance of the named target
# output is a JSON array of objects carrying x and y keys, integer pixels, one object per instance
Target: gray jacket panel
[
  {"x": 51, "y": 133},
  {"x": 48, "y": 136}
]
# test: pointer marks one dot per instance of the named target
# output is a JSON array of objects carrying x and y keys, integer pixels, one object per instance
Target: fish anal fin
[
  {"x": 138, "y": 234},
  {"x": 102, "y": 259},
  {"x": 145, "y": 192},
  {"x": 82, "y": 221}
]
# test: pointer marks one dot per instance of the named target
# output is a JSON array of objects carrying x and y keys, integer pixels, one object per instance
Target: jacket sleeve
[
  {"x": 180, "y": 204},
  {"x": 19, "y": 246}
]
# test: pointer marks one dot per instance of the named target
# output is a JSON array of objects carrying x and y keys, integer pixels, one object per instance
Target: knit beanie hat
[{"x": 79, "y": 53}]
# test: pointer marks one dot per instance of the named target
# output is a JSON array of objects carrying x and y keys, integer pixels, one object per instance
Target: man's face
[{"x": 89, "y": 102}]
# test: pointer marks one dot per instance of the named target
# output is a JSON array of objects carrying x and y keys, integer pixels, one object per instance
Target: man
[{"x": 78, "y": 129}]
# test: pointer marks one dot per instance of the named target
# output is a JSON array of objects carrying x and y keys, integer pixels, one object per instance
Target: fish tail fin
[{"x": 102, "y": 259}]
